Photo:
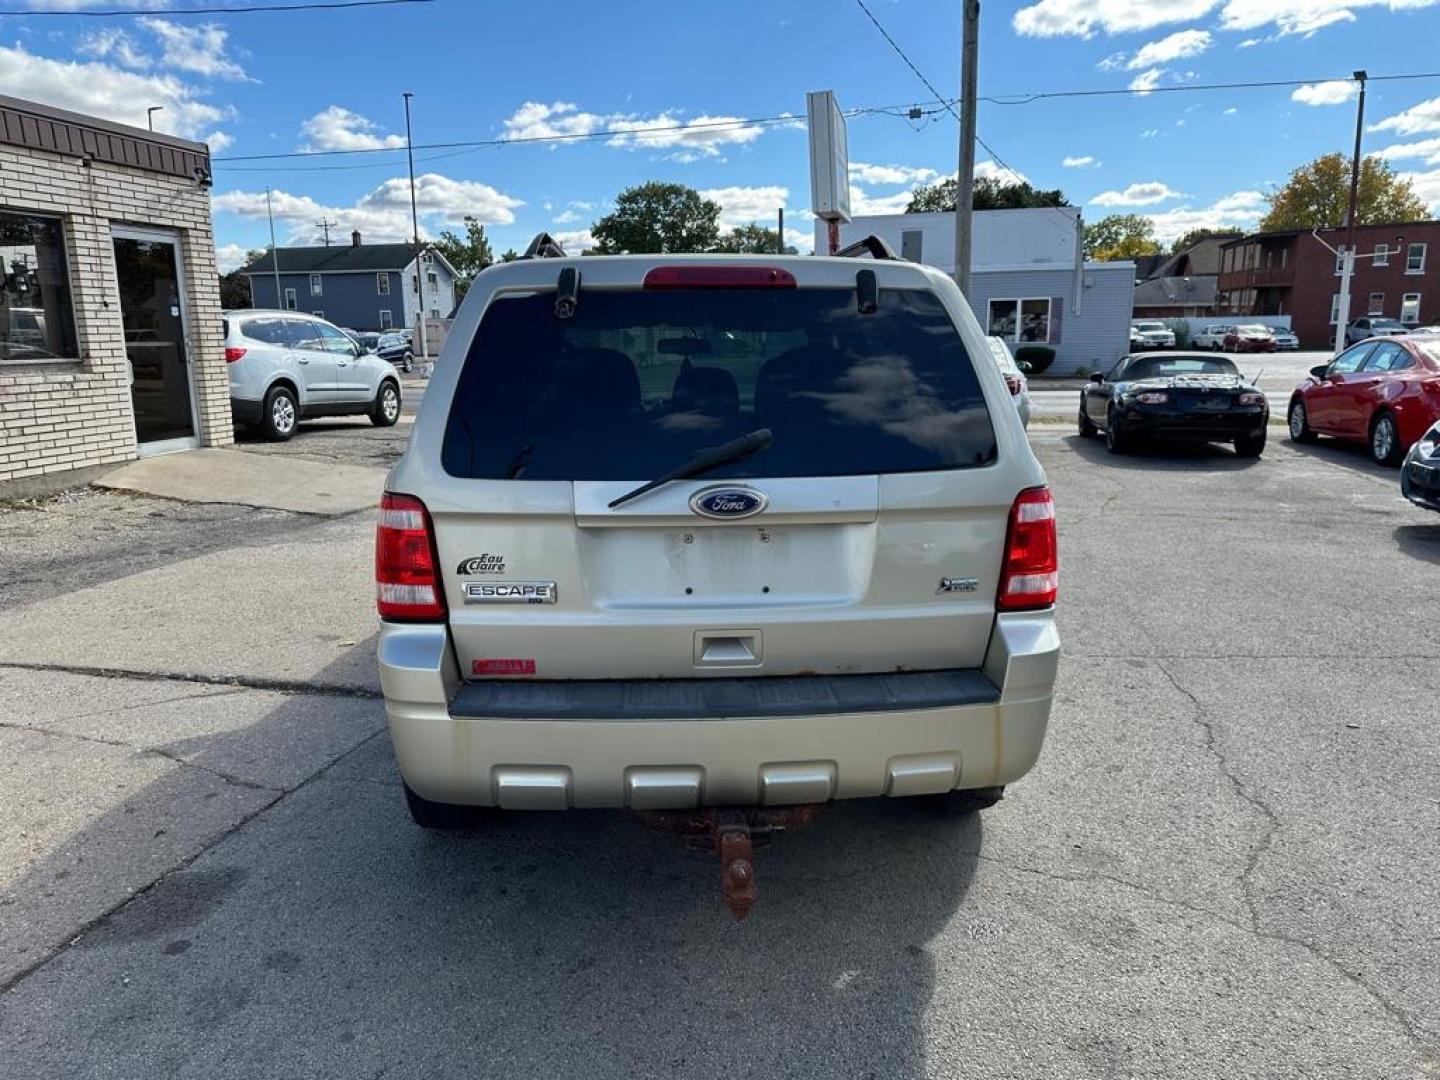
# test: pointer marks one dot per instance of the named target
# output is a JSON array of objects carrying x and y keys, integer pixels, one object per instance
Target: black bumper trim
[{"x": 721, "y": 698}]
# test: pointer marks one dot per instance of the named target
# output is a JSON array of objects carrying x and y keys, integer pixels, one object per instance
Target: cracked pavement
[{"x": 1222, "y": 866}]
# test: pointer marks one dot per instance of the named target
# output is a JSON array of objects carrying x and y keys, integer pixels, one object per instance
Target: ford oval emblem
[{"x": 728, "y": 502}]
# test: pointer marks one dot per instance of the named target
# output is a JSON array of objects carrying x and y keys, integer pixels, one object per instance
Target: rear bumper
[{"x": 647, "y": 745}]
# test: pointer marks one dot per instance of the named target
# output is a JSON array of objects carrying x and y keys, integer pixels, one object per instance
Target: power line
[
  {"x": 1026, "y": 98},
  {"x": 243, "y": 9}
]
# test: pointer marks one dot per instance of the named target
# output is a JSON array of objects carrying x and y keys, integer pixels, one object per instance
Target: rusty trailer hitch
[{"x": 732, "y": 832}]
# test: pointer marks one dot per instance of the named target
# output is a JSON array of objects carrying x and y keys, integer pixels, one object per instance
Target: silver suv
[
  {"x": 676, "y": 532},
  {"x": 285, "y": 367}
]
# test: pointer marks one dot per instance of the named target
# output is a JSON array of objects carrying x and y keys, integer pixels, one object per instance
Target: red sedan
[
  {"x": 1384, "y": 392},
  {"x": 1255, "y": 338}
]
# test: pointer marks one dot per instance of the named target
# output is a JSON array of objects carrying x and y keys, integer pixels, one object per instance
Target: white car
[
  {"x": 1285, "y": 339},
  {"x": 1015, "y": 380},
  {"x": 285, "y": 367},
  {"x": 1152, "y": 335},
  {"x": 687, "y": 532},
  {"x": 1213, "y": 336}
]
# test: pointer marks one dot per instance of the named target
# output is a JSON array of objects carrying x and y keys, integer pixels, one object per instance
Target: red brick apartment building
[{"x": 1397, "y": 274}]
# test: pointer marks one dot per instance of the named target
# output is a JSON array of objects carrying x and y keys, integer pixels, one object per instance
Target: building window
[
  {"x": 1334, "y": 309},
  {"x": 1382, "y": 255},
  {"x": 1410, "y": 308},
  {"x": 386, "y": 319},
  {"x": 432, "y": 279},
  {"x": 317, "y": 285},
  {"x": 1021, "y": 321},
  {"x": 1415, "y": 259},
  {"x": 434, "y": 313},
  {"x": 382, "y": 284},
  {"x": 36, "y": 320},
  {"x": 290, "y": 303},
  {"x": 911, "y": 244},
  {"x": 1377, "y": 304},
  {"x": 415, "y": 283},
  {"x": 1340, "y": 260},
  {"x": 318, "y": 314}
]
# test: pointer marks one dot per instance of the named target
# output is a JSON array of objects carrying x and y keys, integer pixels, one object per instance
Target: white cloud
[
  {"x": 1114, "y": 62},
  {"x": 1422, "y": 117},
  {"x": 229, "y": 256},
  {"x": 115, "y": 44},
  {"x": 1082, "y": 18},
  {"x": 337, "y": 128},
  {"x": 1249, "y": 43},
  {"x": 1145, "y": 193},
  {"x": 106, "y": 91},
  {"x": 1146, "y": 81},
  {"x": 1149, "y": 133},
  {"x": 1081, "y": 162},
  {"x": 1334, "y": 92},
  {"x": 1085, "y": 18},
  {"x": 218, "y": 141},
  {"x": 1427, "y": 187},
  {"x": 1240, "y": 209},
  {"x": 1177, "y": 46},
  {"x": 862, "y": 204},
  {"x": 890, "y": 174},
  {"x": 566, "y": 217},
  {"x": 990, "y": 170},
  {"x": 1231, "y": 111},
  {"x": 742, "y": 205},
  {"x": 1428, "y": 150},
  {"x": 196, "y": 49},
  {"x": 575, "y": 242},
  {"x": 693, "y": 139},
  {"x": 802, "y": 240},
  {"x": 383, "y": 214}
]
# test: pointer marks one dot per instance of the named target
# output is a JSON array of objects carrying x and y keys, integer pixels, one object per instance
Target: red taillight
[
  {"x": 407, "y": 579},
  {"x": 1031, "y": 575},
  {"x": 233, "y": 353},
  {"x": 719, "y": 277},
  {"x": 1013, "y": 382}
]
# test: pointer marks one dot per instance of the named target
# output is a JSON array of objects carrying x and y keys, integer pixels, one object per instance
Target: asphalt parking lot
[{"x": 1223, "y": 865}]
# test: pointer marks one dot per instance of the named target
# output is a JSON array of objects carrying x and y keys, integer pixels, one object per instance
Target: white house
[{"x": 1029, "y": 281}]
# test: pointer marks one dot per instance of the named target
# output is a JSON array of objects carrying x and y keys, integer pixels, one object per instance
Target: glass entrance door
[{"x": 151, "y": 307}]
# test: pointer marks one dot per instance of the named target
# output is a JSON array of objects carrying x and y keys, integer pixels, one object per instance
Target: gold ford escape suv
[{"x": 714, "y": 531}]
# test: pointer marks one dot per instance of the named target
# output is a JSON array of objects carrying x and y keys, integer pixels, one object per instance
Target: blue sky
[{"x": 276, "y": 83}]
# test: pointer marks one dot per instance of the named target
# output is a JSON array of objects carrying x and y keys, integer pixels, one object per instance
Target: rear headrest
[
  {"x": 709, "y": 390},
  {"x": 600, "y": 380}
]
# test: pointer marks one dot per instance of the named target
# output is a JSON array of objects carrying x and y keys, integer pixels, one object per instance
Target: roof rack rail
[
  {"x": 544, "y": 246},
  {"x": 871, "y": 245}
]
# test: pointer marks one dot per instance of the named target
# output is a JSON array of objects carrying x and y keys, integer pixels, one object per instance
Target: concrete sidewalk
[{"x": 260, "y": 480}]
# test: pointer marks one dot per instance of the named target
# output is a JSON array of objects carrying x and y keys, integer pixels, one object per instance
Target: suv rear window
[{"x": 637, "y": 381}]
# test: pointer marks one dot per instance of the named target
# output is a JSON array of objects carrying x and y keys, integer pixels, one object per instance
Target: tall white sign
[{"x": 829, "y": 157}]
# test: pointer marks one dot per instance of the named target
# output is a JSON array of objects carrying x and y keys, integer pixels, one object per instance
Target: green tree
[
  {"x": 752, "y": 240},
  {"x": 468, "y": 254},
  {"x": 990, "y": 194},
  {"x": 1120, "y": 236},
  {"x": 509, "y": 255},
  {"x": 657, "y": 218},
  {"x": 1194, "y": 236},
  {"x": 234, "y": 287},
  {"x": 1317, "y": 196}
]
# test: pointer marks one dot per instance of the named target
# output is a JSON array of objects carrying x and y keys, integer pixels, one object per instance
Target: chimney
[{"x": 355, "y": 238}]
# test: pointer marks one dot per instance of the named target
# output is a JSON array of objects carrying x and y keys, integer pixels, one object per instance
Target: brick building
[
  {"x": 110, "y": 334},
  {"x": 1397, "y": 274}
]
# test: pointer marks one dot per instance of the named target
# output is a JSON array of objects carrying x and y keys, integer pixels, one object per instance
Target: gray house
[
  {"x": 1029, "y": 280},
  {"x": 359, "y": 286}
]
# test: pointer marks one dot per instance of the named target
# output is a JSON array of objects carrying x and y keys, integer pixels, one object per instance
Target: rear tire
[
  {"x": 429, "y": 814},
  {"x": 1299, "y": 420},
  {"x": 385, "y": 411},
  {"x": 1250, "y": 448},
  {"x": 1385, "y": 448},
  {"x": 279, "y": 414},
  {"x": 1087, "y": 427}
]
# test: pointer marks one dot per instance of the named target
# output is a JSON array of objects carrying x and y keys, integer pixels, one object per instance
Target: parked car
[
  {"x": 839, "y": 583},
  {"x": 285, "y": 367},
  {"x": 1420, "y": 475},
  {"x": 1384, "y": 392},
  {"x": 1249, "y": 338},
  {"x": 1285, "y": 340},
  {"x": 1358, "y": 330},
  {"x": 1212, "y": 337},
  {"x": 367, "y": 340},
  {"x": 1423, "y": 331},
  {"x": 1151, "y": 335},
  {"x": 394, "y": 349},
  {"x": 1014, "y": 374},
  {"x": 1190, "y": 397}
]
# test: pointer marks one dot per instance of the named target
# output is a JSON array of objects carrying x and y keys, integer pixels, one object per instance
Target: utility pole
[
  {"x": 325, "y": 225},
  {"x": 780, "y": 232},
  {"x": 965, "y": 177},
  {"x": 274, "y": 251},
  {"x": 415, "y": 226},
  {"x": 1347, "y": 260}
]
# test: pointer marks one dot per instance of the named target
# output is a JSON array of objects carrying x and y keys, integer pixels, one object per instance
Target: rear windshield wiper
[{"x": 705, "y": 460}]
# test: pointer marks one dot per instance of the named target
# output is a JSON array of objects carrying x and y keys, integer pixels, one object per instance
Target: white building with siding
[{"x": 1029, "y": 281}]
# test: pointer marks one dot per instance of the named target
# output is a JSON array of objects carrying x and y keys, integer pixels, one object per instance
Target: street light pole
[
  {"x": 1347, "y": 259},
  {"x": 965, "y": 175},
  {"x": 415, "y": 226}
]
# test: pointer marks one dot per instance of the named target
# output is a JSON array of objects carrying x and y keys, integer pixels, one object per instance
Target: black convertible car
[{"x": 1195, "y": 397}]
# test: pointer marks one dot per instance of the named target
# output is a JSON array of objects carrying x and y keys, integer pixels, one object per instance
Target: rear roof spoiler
[{"x": 871, "y": 245}]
